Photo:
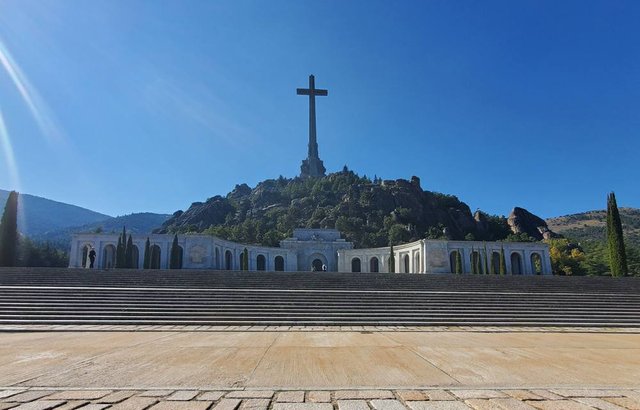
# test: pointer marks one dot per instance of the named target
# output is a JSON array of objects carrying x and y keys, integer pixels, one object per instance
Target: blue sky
[{"x": 128, "y": 106}]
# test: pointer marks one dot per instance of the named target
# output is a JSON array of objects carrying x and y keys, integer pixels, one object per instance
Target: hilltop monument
[{"x": 312, "y": 166}]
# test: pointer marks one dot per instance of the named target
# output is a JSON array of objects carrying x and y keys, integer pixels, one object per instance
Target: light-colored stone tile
[
  {"x": 40, "y": 405},
  {"x": 411, "y": 395},
  {"x": 4, "y": 406},
  {"x": 72, "y": 405},
  {"x": 478, "y": 394},
  {"x": 481, "y": 404},
  {"x": 116, "y": 397},
  {"x": 155, "y": 393},
  {"x": 626, "y": 402},
  {"x": 79, "y": 395},
  {"x": 183, "y": 395},
  {"x": 250, "y": 394},
  {"x": 227, "y": 404},
  {"x": 255, "y": 404},
  {"x": 362, "y": 394},
  {"x": 546, "y": 394},
  {"x": 559, "y": 405},
  {"x": 181, "y": 405},
  {"x": 8, "y": 393},
  {"x": 302, "y": 406},
  {"x": 522, "y": 394},
  {"x": 93, "y": 406},
  {"x": 498, "y": 404},
  {"x": 28, "y": 396},
  {"x": 135, "y": 403},
  {"x": 438, "y": 405},
  {"x": 438, "y": 395},
  {"x": 290, "y": 397},
  {"x": 598, "y": 403},
  {"x": 318, "y": 397},
  {"x": 352, "y": 405},
  {"x": 211, "y": 395},
  {"x": 387, "y": 405},
  {"x": 586, "y": 393}
]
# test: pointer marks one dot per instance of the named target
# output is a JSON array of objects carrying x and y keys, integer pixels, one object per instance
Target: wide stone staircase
[{"x": 187, "y": 297}]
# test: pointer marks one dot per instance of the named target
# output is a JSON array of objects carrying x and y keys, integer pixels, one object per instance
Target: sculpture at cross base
[{"x": 312, "y": 166}]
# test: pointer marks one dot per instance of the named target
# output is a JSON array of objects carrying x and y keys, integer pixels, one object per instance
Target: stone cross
[{"x": 312, "y": 166}]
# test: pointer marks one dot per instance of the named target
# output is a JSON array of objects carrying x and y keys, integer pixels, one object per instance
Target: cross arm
[{"x": 306, "y": 91}]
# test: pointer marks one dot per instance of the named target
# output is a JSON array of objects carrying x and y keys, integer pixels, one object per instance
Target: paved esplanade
[{"x": 312, "y": 166}]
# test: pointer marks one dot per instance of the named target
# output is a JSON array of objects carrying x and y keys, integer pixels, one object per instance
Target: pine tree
[
  {"x": 458, "y": 262},
  {"x": 128, "y": 253},
  {"x": 174, "y": 261},
  {"x": 146, "y": 264},
  {"x": 503, "y": 263},
  {"x": 9, "y": 232},
  {"x": 615, "y": 240},
  {"x": 392, "y": 261}
]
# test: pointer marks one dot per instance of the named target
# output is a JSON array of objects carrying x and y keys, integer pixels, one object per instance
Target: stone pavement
[{"x": 417, "y": 399}]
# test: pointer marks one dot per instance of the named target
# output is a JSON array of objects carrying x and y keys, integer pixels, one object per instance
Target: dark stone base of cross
[{"x": 312, "y": 167}]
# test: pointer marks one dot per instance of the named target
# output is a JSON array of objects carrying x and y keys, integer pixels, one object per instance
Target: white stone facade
[
  {"x": 315, "y": 249},
  {"x": 438, "y": 256}
]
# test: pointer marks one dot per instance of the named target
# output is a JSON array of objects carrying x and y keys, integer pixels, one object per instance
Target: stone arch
[
  {"x": 516, "y": 263},
  {"x": 261, "y": 262},
  {"x": 405, "y": 259},
  {"x": 416, "y": 262},
  {"x": 85, "y": 256},
  {"x": 109, "y": 257},
  {"x": 476, "y": 262},
  {"x": 228, "y": 260},
  {"x": 278, "y": 264},
  {"x": 356, "y": 265},
  {"x": 536, "y": 263},
  {"x": 452, "y": 261},
  {"x": 154, "y": 261},
  {"x": 374, "y": 265},
  {"x": 180, "y": 258},
  {"x": 495, "y": 262},
  {"x": 216, "y": 263},
  {"x": 313, "y": 261},
  {"x": 135, "y": 256}
]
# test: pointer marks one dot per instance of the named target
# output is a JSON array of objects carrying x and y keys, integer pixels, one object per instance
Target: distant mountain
[
  {"x": 137, "y": 223},
  {"x": 591, "y": 225},
  {"x": 41, "y": 215}
]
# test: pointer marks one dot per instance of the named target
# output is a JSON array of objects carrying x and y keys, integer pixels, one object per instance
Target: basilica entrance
[
  {"x": 316, "y": 261},
  {"x": 316, "y": 266}
]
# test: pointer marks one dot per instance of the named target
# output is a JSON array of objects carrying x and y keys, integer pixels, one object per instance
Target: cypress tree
[
  {"x": 120, "y": 253},
  {"x": 129, "y": 253},
  {"x": 147, "y": 254},
  {"x": 503, "y": 263},
  {"x": 615, "y": 240},
  {"x": 458, "y": 262},
  {"x": 174, "y": 261},
  {"x": 9, "y": 232},
  {"x": 486, "y": 261},
  {"x": 245, "y": 259},
  {"x": 392, "y": 261}
]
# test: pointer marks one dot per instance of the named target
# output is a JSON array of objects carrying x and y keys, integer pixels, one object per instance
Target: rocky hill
[
  {"x": 592, "y": 225},
  {"x": 369, "y": 213}
]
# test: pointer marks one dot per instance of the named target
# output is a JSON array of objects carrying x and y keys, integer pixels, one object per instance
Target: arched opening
[
  {"x": 374, "y": 265},
  {"x": 406, "y": 263},
  {"x": 135, "y": 256},
  {"x": 536, "y": 264},
  {"x": 316, "y": 265},
  {"x": 261, "y": 262},
  {"x": 456, "y": 262},
  {"x": 216, "y": 263},
  {"x": 495, "y": 263},
  {"x": 516, "y": 264},
  {"x": 356, "y": 265},
  {"x": 476, "y": 262},
  {"x": 416, "y": 263},
  {"x": 85, "y": 256},
  {"x": 109, "y": 257},
  {"x": 279, "y": 264},
  {"x": 228, "y": 260},
  {"x": 154, "y": 262},
  {"x": 176, "y": 259}
]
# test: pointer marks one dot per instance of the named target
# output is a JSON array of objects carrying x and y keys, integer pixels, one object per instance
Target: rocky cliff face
[
  {"x": 522, "y": 221},
  {"x": 368, "y": 213}
]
